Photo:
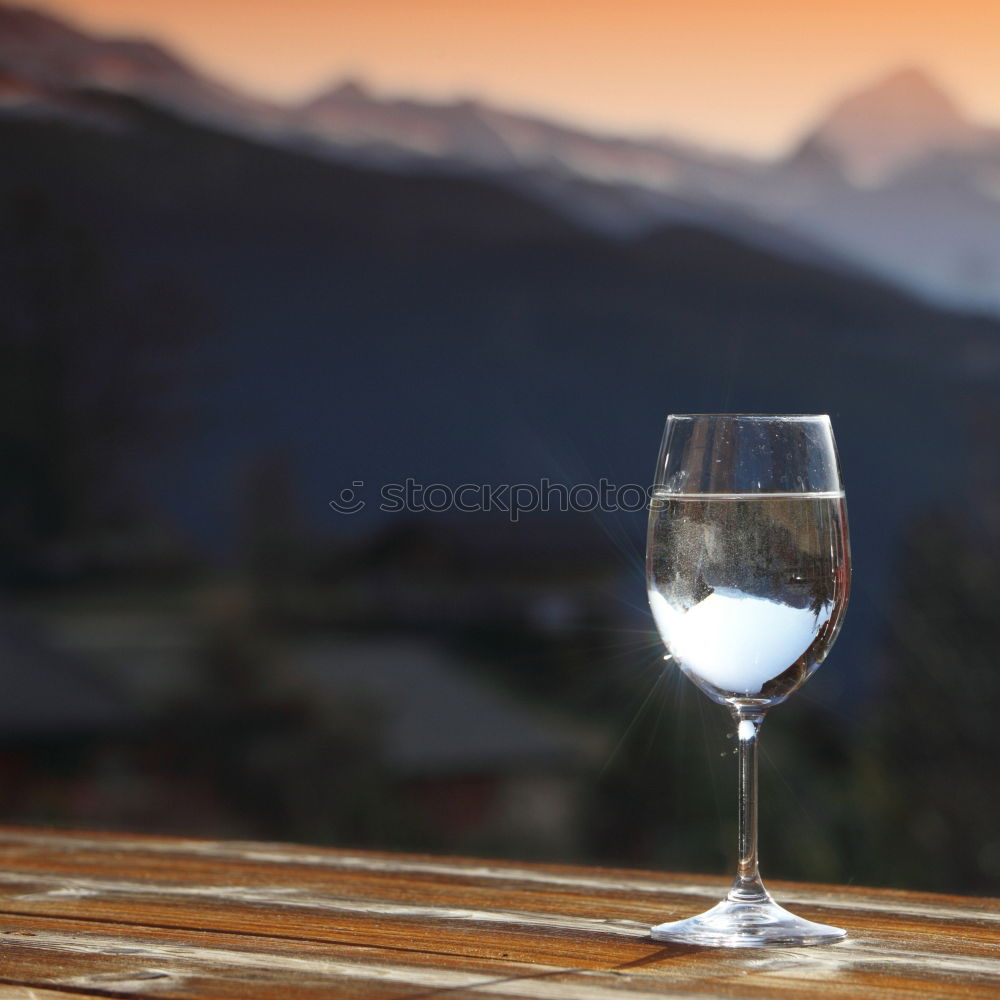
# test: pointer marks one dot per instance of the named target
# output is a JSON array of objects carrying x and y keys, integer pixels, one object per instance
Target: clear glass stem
[
  {"x": 747, "y": 917},
  {"x": 748, "y": 887}
]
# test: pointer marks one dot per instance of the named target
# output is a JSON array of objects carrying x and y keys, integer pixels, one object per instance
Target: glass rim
[{"x": 748, "y": 416}]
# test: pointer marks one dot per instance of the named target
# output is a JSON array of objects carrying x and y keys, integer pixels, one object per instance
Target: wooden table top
[{"x": 98, "y": 915}]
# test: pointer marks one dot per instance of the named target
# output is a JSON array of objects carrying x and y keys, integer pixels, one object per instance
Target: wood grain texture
[{"x": 99, "y": 915}]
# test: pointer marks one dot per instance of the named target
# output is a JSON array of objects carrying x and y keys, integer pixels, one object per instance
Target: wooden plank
[
  {"x": 224, "y": 966},
  {"x": 8, "y": 992},
  {"x": 105, "y": 915}
]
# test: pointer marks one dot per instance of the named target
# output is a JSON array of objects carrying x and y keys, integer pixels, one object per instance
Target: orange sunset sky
[{"x": 740, "y": 75}]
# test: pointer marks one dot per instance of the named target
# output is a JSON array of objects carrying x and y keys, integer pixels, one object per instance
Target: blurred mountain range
[
  {"x": 44, "y": 61},
  {"x": 368, "y": 304},
  {"x": 893, "y": 179}
]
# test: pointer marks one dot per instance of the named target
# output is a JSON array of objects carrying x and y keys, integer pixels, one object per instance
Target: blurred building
[
  {"x": 57, "y": 715},
  {"x": 478, "y": 767}
]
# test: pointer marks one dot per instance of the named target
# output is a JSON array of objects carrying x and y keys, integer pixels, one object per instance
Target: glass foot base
[{"x": 733, "y": 924}]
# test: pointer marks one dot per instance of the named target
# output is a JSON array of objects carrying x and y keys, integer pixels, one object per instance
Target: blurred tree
[
  {"x": 927, "y": 774},
  {"x": 87, "y": 365},
  {"x": 274, "y": 756},
  {"x": 276, "y": 543}
]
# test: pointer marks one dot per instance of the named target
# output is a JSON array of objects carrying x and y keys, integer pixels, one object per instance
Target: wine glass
[{"x": 748, "y": 569}]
